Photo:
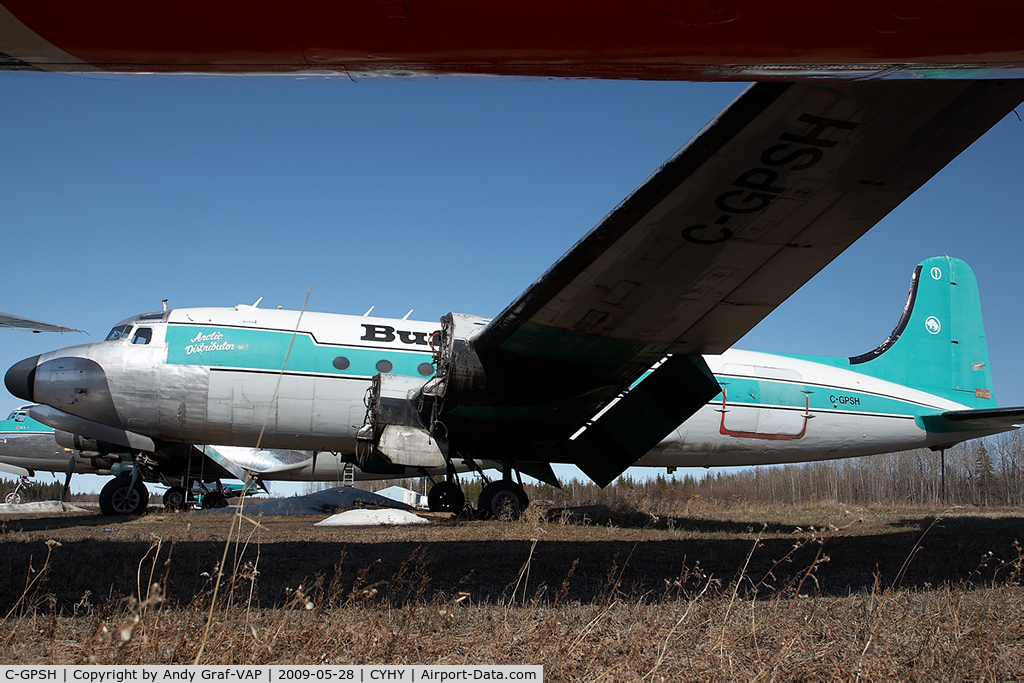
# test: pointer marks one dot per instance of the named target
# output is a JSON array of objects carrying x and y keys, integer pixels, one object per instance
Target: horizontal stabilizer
[
  {"x": 991, "y": 420},
  {"x": 237, "y": 471},
  {"x": 16, "y": 321},
  {"x": 14, "y": 469}
]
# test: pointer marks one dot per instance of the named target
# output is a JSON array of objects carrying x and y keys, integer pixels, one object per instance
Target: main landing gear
[
  {"x": 503, "y": 499},
  {"x": 124, "y": 495},
  {"x": 446, "y": 496}
]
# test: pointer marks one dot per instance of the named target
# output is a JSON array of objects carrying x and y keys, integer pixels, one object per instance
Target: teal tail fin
[{"x": 939, "y": 344}]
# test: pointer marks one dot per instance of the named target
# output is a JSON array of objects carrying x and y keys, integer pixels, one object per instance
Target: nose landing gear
[{"x": 176, "y": 498}]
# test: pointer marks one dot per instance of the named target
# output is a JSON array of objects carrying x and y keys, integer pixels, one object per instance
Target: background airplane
[{"x": 28, "y": 446}]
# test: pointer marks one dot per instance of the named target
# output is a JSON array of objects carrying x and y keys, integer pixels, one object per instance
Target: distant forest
[{"x": 984, "y": 472}]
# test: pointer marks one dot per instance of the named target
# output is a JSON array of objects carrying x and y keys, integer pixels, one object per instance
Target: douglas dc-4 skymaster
[{"x": 617, "y": 355}]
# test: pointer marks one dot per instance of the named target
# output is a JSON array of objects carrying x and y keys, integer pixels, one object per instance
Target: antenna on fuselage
[
  {"x": 164, "y": 302},
  {"x": 406, "y": 316},
  {"x": 255, "y": 305},
  {"x": 367, "y": 314}
]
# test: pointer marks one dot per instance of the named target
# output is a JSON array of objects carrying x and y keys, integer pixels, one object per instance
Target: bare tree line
[{"x": 985, "y": 472}]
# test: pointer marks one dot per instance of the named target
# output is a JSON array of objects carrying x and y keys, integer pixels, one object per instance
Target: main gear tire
[
  {"x": 214, "y": 500},
  {"x": 119, "y": 497},
  {"x": 446, "y": 496},
  {"x": 175, "y": 498},
  {"x": 502, "y": 500}
]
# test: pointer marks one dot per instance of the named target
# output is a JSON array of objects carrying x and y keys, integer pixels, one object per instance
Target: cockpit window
[
  {"x": 142, "y": 335},
  {"x": 118, "y": 332},
  {"x": 19, "y": 417}
]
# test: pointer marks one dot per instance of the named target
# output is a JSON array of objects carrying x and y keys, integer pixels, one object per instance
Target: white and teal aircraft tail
[{"x": 928, "y": 385}]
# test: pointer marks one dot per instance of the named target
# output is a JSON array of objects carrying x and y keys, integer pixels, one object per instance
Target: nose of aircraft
[{"x": 21, "y": 378}]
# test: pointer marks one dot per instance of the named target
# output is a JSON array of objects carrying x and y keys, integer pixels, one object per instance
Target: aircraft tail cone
[{"x": 21, "y": 378}]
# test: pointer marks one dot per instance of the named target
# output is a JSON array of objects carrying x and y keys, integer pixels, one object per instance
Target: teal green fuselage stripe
[
  {"x": 228, "y": 347},
  {"x": 29, "y": 426},
  {"x": 768, "y": 392}
]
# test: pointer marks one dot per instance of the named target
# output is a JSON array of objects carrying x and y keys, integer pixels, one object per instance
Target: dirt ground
[
  {"x": 69, "y": 581},
  {"x": 918, "y": 548}
]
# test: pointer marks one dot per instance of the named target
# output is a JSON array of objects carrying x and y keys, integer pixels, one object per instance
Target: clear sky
[{"x": 434, "y": 196}]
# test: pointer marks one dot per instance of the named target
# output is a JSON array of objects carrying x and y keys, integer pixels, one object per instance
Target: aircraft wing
[
  {"x": 16, "y": 321},
  {"x": 752, "y": 207}
]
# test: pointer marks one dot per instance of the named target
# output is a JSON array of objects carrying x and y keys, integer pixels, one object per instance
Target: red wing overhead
[
  {"x": 16, "y": 321},
  {"x": 762, "y": 199},
  {"x": 647, "y": 39}
]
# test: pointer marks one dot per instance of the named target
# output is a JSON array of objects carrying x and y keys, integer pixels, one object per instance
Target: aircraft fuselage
[{"x": 216, "y": 375}]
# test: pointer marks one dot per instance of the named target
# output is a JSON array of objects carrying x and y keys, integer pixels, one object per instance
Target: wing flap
[{"x": 636, "y": 423}]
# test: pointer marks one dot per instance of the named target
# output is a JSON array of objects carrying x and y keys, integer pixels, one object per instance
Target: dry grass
[{"x": 773, "y": 592}]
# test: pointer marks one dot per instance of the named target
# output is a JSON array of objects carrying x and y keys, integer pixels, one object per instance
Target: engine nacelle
[
  {"x": 396, "y": 425},
  {"x": 401, "y": 423},
  {"x": 77, "y": 442},
  {"x": 459, "y": 370}
]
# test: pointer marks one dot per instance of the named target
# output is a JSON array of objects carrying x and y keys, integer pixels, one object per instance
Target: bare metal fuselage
[{"x": 219, "y": 376}]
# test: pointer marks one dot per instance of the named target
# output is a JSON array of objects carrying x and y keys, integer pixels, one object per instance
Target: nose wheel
[{"x": 446, "y": 496}]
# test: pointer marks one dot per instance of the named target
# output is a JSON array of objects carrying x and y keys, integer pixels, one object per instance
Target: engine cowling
[
  {"x": 396, "y": 426},
  {"x": 402, "y": 424},
  {"x": 460, "y": 374},
  {"x": 77, "y": 442}
]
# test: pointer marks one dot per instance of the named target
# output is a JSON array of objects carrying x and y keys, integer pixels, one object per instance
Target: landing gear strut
[{"x": 13, "y": 496}]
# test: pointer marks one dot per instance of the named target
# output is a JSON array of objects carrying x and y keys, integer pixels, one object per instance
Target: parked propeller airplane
[
  {"x": 621, "y": 341},
  {"x": 28, "y": 446}
]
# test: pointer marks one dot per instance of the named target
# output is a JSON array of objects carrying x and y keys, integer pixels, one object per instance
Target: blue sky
[{"x": 434, "y": 196}]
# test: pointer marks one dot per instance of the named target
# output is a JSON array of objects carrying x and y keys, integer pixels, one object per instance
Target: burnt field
[{"x": 592, "y": 593}]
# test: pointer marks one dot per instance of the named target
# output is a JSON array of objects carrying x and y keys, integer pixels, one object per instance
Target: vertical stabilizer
[{"x": 939, "y": 344}]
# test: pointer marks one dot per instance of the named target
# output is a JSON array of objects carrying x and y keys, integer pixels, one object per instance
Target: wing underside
[{"x": 759, "y": 201}]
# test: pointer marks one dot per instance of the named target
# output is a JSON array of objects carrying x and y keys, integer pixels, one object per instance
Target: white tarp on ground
[
  {"x": 41, "y": 506},
  {"x": 372, "y": 518}
]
